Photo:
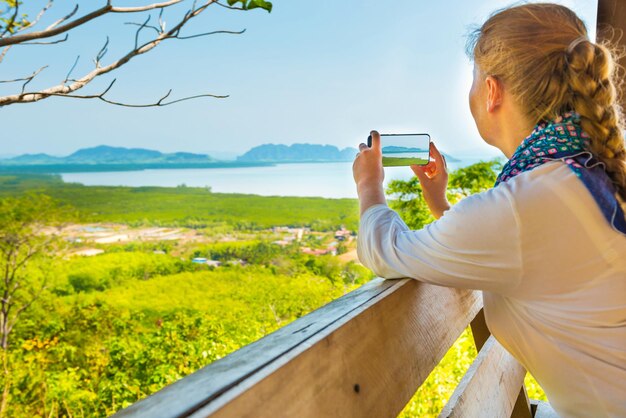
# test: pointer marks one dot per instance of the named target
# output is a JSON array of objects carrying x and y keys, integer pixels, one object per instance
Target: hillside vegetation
[{"x": 113, "y": 328}]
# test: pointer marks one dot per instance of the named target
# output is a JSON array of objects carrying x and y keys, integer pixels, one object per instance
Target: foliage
[
  {"x": 94, "y": 353},
  {"x": 476, "y": 177},
  {"x": 23, "y": 242},
  {"x": 121, "y": 325},
  {"x": 407, "y": 196},
  {"x": 408, "y": 201},
  {"x": 252, "y": 4},
  {"x": 10, "y": 18},
  {"x": 192, "y": 207}
]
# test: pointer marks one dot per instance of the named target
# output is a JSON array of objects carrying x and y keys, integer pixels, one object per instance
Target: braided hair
[{"x": 543, "y": 55}]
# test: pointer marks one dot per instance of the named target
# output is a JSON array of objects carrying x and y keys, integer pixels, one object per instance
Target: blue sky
[{"x": 323, "y": 71}]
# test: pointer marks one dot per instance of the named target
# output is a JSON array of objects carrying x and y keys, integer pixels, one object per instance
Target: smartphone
[{"x": 404, "y": 149}]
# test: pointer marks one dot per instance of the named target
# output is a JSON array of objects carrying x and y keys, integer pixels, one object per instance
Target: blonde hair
[{"x": 544, "y": 58}]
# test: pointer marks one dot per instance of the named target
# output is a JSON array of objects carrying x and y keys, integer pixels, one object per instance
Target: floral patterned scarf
[{"x": 563, "y": 139}]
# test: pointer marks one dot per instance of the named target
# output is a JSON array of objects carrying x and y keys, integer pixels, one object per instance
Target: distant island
[
  {"x": 107, "y": 158},
  {"x": 276, "y": 153},
  {"x": 105, "y": 154}
]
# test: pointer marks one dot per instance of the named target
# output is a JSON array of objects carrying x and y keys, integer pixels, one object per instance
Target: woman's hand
[
  {"x": 434, "y": 180},
  {"x": 368, "y": 173}
]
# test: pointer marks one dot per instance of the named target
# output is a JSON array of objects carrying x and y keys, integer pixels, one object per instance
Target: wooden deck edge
[{"x": 371, "y": 347}]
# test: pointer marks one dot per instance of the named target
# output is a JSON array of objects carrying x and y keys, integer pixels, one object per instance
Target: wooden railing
[{"x": 362, "y": 355}]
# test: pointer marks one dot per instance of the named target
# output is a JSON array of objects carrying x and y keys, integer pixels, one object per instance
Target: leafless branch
[
  {"x": 25, "y": 78},
  {"x": 29, "y": 79},
  {"x": 69, "y": 86},
  {"x": 38, "y": 17},
  {"x": 159, "y": 103},
  {"x": 211, "y": 33},
  {"x": 229, "y": 7},
  {"x": 147, "y": 26},
  {"x": 58, "y": 41},
  {"x": 4, "y": 52},
  {"x": 56, "y": 30},
  {"x": 67, "y": 77},
  {"x": 64, "y": 89},
  {"x": 102, "y": 53},
  {"x": 161, "y": 21},
  {"x": 139, "y": 31},
  {"x": 63, "y": 19}
]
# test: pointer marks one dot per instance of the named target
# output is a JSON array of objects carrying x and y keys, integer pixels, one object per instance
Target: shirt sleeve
[{"x": 474, "y": 245}]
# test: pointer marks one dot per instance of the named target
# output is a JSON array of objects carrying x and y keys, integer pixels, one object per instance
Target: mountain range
[
  {"x": 105, "y": 154},
  {"x": 297, "y": 153}
]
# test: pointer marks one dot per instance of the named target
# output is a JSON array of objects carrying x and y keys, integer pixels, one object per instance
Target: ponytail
[{"x": 593, "y": 95}]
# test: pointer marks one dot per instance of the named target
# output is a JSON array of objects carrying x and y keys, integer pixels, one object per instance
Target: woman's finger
[
  {"x": 363, "y": 146},
  {"x": 419, "y": 172},
  {"x": 375, "y": 140},
  {"x": 437, "y": 155}
]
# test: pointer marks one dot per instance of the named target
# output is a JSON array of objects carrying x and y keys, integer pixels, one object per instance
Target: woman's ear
[{"x": 495, "y": 91}]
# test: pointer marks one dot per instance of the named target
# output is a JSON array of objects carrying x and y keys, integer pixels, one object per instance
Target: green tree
[
  {"x": 476, "y": 177},
  {"x": 407, "y": 197},
  {"x": 23, "y": 241}
]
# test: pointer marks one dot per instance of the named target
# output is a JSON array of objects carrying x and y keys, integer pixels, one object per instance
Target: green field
[
  {"x": 187, "y": 206},
  {"x": 400, "y": 161}
]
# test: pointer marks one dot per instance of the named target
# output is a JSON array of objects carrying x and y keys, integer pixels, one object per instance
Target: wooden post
[
  {"x": 611, "y": 25},
  {"x": 481, "y": 333}
]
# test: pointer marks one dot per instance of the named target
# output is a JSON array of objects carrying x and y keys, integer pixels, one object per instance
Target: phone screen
[{"x": 404, "y": 149}]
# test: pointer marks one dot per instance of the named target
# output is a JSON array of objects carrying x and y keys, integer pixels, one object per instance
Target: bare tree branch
[
  {"x": 211, "y": 33},
  {"x": 63, "y": 19},
  {"x": 159, "y": 103},
  {"x": 18, "y": 39},
  {"x": 70, "y": 85},
  {"x": 67, "y": 77},
  {"x": 147, "y": 26},
  {"x": 39, "y": 15},
  {"x": 4, "y": 52},
  {"x": 229, "y": 7},
  {"x": 139, "y": 31},
  {"x": 64, "y": 89},
  {"x": 58, "y": 41},
  {"x": 102, "y": 53},
  {"x": 25, "y": 78}
]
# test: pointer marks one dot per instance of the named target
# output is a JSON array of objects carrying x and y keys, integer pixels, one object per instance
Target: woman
[{"x": 547, "y": 244}]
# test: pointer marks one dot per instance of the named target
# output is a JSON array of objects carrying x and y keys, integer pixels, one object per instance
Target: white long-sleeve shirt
[{"x": 552, "y": 271}]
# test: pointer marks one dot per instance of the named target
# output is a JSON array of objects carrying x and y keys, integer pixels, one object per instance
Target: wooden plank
[
  {"x": 611, "y": 25},
  {"x": 481, "y": 333},
  {"x": 368, "y": 364},
  {"x": 195, "y": 390},
  {"x": 490, "y": 387},
  {"x": 364, "y": 354}
]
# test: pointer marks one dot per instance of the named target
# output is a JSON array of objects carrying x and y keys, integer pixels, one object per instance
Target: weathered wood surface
[
  {"x": 481, "y": 334},
  {"x": 490, "y": 387},
  {"x": 364, "y": 354}
]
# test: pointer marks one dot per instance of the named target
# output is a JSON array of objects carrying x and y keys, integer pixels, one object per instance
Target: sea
[{"x": 329, "y": 180}]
